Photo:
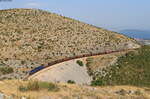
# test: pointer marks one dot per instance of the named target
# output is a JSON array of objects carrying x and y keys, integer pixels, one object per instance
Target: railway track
[{"x": 71, "y": 58}]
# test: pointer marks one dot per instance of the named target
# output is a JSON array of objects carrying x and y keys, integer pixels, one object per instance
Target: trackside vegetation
[
  {"x": 131, "y": 69},
  {"x": 36, "y": 86},
  {"x": 79, "y": 62},
  {"x": 71, "y": 82}
]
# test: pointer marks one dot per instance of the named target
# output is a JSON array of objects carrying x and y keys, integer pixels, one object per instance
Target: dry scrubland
[
  {"x": 31, "y": 37},
  {"x": 70, "y": 91}
]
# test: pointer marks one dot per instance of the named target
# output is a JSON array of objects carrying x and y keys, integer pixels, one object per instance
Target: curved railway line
[{"x": 37, "y": 69}]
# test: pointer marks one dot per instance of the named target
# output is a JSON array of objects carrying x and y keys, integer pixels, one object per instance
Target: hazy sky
[{"x": 111, "y": 14}]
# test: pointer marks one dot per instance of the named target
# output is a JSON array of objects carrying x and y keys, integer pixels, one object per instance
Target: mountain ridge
[{"x": 135, "y": 33}]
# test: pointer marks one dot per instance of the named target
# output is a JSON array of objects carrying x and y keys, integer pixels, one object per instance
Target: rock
[
  {"x": 122, "y": 92},
  {"x": 1, "y": 96},
  {"x": 23, "y": 98}
]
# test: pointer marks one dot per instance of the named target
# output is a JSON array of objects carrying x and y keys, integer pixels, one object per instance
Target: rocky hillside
[{"x": 31, "y": 37}]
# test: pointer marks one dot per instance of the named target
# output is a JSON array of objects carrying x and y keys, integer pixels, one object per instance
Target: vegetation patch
[
  {"x": 138, "y": 92},
  {"x": 88, "y": 64},
  {"x": 122, "y": 92},
  {"x": 36, "y": 86},
  {"x": 89, "y": 61},
  {"x": 97, "y": 82},
  {"x": 131, "y": 69},
  {"x": 79, "y": 62},
  {"x": 6, "y": 70},
  {"x": 71, "y": 82}
]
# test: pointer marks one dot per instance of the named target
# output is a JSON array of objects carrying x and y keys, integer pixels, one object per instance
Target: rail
[{"x": 71, "y": 58}]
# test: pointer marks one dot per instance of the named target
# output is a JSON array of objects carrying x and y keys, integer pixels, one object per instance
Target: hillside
[
  {"x": 31, "y": 37},
  {"x": 130, "y": 69}
]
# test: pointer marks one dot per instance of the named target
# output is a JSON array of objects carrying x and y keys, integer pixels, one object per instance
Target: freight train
[{"x": 70, "y": 58}]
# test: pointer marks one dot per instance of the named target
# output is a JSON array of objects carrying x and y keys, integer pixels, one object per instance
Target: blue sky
[{"x": 111, "y": 14}]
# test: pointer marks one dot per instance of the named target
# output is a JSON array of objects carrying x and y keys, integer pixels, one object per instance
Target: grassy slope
[{"x": 131, "y": 69}]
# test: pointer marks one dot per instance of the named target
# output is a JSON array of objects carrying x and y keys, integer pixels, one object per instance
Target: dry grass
[{"x": 71, "y": 91}]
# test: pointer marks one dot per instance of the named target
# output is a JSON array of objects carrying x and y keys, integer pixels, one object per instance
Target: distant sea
[{"x": 139, "y": 34}]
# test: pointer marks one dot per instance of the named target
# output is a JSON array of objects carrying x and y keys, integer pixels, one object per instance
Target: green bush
[
  {"x": 97, "y": 83},
  {"x": 71, "y": 82},
  {"x": 80, "y": 63},
  {"x": 6, "y": 70},
  {"x": 23, "y": 88}
]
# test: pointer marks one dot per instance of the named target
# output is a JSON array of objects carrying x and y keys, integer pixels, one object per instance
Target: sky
[{"x": 115, "y": 15}]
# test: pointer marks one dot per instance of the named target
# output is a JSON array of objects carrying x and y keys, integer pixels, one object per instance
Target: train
[
  {"x": 36, "y": 70},
  {"x": 71, "y": 58}
]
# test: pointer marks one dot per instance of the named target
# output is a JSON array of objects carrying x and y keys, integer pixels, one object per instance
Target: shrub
[
  {"x": 89, "y": 63},
  {"x": 6, "y": 70},
  {"x": 80, "y": 63},
  {"x": 71, "y": 82},
  {"x": 97, "y": 83},
  {"x": 138, "y": 92},
  {"x": 22, "y": 62},
  {"x": 49, "y": 86},
  {"x": 44, "y": 84},
  {"x": 35, "y": 86},
  {"x": 22, "y": 88},
  {"x": 122, "y": 92},
  {"x": 52, "y": 87}
]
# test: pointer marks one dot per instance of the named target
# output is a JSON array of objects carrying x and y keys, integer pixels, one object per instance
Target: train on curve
[{"x": 71, "y": 58}]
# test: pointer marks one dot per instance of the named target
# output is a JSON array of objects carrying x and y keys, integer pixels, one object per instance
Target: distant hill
[
  {"x": 144, "y": 42},
  {"x": 31, "y": 37},
  {"x": 141, "y": 34}
]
